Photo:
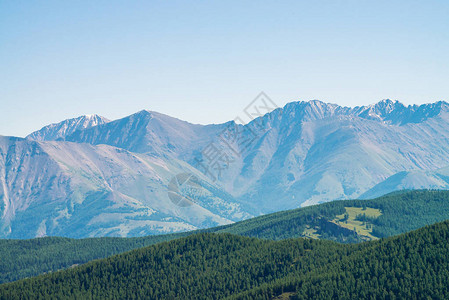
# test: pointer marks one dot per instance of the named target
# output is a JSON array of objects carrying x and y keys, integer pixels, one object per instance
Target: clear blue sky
[{"x": 203, "y": 61}]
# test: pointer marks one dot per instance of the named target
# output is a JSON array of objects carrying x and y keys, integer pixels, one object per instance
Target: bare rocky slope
[{"x": 81, "y": 190}]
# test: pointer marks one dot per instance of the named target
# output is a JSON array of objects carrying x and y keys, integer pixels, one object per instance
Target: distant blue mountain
[{"x": 103, "y": 177}]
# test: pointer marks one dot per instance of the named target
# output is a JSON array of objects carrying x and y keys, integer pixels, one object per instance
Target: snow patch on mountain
[{"x": 62, "y": 129}]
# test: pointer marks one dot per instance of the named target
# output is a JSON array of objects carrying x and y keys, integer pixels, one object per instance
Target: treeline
[{"x": 216, "y": 266}]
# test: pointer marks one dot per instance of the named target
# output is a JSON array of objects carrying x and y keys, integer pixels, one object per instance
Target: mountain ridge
[
  {"x": 377, "y": 111},
  {"x": 148, "y": 131},
  {"x": 385, "y": 110}
]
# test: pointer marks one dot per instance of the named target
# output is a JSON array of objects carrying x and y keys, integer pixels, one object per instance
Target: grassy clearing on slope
[
  {"x": 311, "y": 233},
  {"x": 349, "y": 220},
  {"x": 284, "y": 296}
]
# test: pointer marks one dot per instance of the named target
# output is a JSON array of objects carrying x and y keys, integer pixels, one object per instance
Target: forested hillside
[
  {"x": 385, "y": 216},
  {"x": 342, "y": 221},
  {"x": 411, "y": 266},
  {"x": 215, "y": 266},
  {"x": 26, "y": 258}
]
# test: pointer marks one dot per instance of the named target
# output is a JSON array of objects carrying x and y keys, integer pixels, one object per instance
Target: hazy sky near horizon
[{"x": 204, "y": 61}]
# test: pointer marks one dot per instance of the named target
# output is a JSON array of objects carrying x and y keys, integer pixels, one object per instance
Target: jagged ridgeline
[
  {"x": 216, "y": 266},
  {"x": 346, "y": 221}
]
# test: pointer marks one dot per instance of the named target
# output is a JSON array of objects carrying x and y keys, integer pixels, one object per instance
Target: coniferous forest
[{"x": 218, "y": 266}]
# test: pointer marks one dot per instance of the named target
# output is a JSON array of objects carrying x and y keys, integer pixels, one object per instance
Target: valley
[{"x": 387, "y": 216}]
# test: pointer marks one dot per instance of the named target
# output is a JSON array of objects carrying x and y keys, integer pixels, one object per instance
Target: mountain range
[{"x": 94, "y": 177}]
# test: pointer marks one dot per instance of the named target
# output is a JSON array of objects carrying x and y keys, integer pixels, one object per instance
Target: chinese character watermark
[
  {"x": 260, "y": 106},
  {"x": 185, "y": 189},
  {"x": 216, "y": 157}
]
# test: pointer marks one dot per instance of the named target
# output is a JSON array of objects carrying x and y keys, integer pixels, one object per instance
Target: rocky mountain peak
[{"x": 59, "y": 131}]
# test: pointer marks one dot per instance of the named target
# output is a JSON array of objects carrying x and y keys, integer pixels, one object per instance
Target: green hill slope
[
  {"x": 385, "y": 216},
  {"x": 411, "y": 266},
  {"x": 215, "y": 266},
  {"x": 342, "y": 221},
  {"x": 27, "y": 258}
]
